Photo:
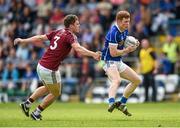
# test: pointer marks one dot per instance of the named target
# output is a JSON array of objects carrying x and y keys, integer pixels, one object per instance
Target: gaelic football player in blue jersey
[{"x": 114, "y": 67}]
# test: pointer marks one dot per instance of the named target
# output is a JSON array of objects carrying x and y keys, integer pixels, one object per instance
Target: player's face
[
  {"x": 76, "y": 26},
  {"x": 124, "y": 23}
]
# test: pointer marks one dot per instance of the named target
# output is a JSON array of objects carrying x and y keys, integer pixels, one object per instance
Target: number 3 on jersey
[{"x": 55, "y": 43}]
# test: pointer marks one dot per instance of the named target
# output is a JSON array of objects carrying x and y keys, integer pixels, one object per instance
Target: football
[{"x": 130, "y": 41}]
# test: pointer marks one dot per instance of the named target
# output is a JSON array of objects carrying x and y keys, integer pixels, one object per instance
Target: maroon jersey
[{"x": 59, "y": 48}]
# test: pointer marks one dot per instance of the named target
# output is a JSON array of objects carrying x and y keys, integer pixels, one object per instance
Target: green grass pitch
[{"x": 93, "y": 115}]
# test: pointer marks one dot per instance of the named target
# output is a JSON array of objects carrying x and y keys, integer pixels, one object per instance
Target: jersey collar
[{"x": 118, "y": 28}]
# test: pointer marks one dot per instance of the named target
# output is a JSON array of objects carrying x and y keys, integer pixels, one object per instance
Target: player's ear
[{"x": 71, "y": 26}]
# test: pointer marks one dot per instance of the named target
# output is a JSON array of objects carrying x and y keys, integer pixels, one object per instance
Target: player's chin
[{"x": 126, "y": 27}]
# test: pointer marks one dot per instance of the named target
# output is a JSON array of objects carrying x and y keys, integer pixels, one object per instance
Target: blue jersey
[{"x": 113, "y": 37}]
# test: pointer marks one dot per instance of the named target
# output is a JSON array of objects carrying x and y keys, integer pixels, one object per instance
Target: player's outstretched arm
[
  {"x": 85, "y": 52},
  {"x": 37, "y": 38}
]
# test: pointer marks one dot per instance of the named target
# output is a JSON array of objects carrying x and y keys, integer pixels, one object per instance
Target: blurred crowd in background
[{"x": 150, "y": 19}]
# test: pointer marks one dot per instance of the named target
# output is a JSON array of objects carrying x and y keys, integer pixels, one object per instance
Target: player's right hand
[
  {"x": 131, "y": 49},
  {"x": 17, "y": 40},
  {"x": 97, "y": 55}
]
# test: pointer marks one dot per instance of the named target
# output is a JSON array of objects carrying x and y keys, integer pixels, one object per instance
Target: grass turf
[{"x": 93, "y": 115}]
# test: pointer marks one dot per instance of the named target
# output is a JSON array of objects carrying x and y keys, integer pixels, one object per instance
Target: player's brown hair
[
  {"x": 122, "y": 14},
  {"x": 70, "y": 19}
]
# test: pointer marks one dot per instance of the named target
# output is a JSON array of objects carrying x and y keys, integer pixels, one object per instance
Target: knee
[
  {"x": 137, "y": 81},
  {"x": 116, "y": 82},
  {"x": 56, "y": 93},
  {"x": 55, "y": 90}
]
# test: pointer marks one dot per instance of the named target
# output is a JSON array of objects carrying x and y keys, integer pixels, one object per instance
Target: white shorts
[
  {"x": 48, "y": 76},
  {"x": 116, "y": 64}
]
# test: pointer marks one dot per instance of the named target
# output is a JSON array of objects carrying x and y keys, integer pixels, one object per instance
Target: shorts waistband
[
  {"x": 107, "y": 61},
  {"x": 42, "y": 67}
]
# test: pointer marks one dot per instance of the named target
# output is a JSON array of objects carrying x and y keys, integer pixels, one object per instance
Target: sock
[
  {"x": 29, "y": 102},
  {"x": 38, "y": 110},
  {"x": 111, "y": 101},
  {"x": 123, "y": 100}
]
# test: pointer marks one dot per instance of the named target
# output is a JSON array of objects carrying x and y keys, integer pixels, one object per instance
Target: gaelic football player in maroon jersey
[{"x": 61, "y": 42}]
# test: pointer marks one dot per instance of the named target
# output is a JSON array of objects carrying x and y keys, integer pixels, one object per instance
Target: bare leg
[
  {"x": 114, "y": 77},
  {"x": 134, "y": 79},
  {"x": 39, "y": 92},
  {"x": 48, "y": 100},
  {"x": 115, "y": 80},
  {"x": 55, "y": 91},
  {"x": 25, "y": 106}
]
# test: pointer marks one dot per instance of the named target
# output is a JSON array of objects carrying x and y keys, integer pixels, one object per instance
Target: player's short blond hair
[{"x": 122, "y": 14}]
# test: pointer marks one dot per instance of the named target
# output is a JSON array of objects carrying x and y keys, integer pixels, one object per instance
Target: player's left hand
[{"x": 138, "y": 43}]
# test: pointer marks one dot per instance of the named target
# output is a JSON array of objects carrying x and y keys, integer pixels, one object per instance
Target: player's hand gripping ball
[{"x": 131, "y": 41}]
